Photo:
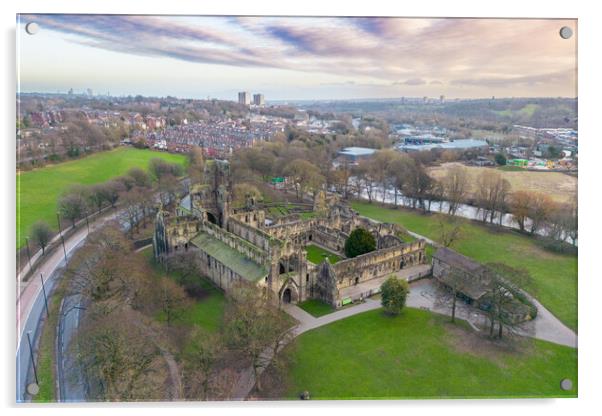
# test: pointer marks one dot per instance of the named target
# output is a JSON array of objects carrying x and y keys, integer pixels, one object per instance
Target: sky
[{"x": 294, "y": 58}]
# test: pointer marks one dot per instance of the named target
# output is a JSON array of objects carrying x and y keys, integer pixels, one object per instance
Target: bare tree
[
  {"x": 255, "y": 328},
  {"x": 72, "y": 206},
  {"x": 140, "y": 177},
  {"x": 455, "y": 185},
  {"x": 111, "y": 191},
  {"x": 97, "y": 196},
  {"x": 519, "y": 207},
  {"x": 456, "y": 282},
  {"x": 449, "y": 230},
  {"x": 41, "y": 234},
  {"x": 507, "y": 301},
  {"x": 201, "y": 357},
  {"x": 172, "y": 299},
  {"x": 491, "y": 194},
  {"x": 116, "y": 358}
]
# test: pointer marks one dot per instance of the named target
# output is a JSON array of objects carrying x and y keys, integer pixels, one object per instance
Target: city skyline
[{"x": 297, "y": 58}]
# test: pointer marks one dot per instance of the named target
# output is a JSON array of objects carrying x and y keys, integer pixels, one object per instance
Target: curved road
[{"x": 30, "y": 301}]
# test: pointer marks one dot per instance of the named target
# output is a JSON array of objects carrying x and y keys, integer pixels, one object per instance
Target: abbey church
[{"x": 247, "y": 244}]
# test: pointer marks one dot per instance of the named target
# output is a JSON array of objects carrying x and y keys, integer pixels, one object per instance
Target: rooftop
[
  {"x": 226, "y": 255},
  {"x": 456, "y": 144},
  {"x": 357, "y": 151}
]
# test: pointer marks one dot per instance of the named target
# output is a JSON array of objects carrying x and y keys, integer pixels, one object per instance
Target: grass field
[
  {"x": 316, "y": 307},
  {"x": 420, "y": 355},
  {"x": 317, "y": 254},
  {"x": 554, "y": 275},
  {"x": 557, "y": 185},
  {"x": 38, "y": 190}
]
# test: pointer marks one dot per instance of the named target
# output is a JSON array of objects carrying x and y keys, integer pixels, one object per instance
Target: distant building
[
  {"x": 258, "y": 99},
  {"x": 450, "y": 145},
  {"x": 244, "y": 98},
  {"x": 354, "y": 154}
]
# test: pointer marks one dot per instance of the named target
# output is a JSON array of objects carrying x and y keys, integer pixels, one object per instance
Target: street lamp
[
  {"x": 58, "y": 219},
  {"x": 28, "y": 252},
  {"x": 45, "y": 298},
  {"x": 32, "y": 387}
]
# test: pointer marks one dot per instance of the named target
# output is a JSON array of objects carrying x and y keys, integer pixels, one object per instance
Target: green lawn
[
  {"x": 38, "y": 190},
  {"x": 554, "y": 275},
  {"x": 420, "y": 355},
  {"x": 206, "y": 312},
  {"x": 316, "y": 307},
  {"x": 317, "y": 254}
]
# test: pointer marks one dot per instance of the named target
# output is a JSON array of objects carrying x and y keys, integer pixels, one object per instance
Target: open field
[
  {"x": 317, "y": 254},
  {"x": 38, "y": 190},
  {"x": 554, "y": 275},
  {"x": 421, "y": 355},
  {"x": 557, "y": 185}
]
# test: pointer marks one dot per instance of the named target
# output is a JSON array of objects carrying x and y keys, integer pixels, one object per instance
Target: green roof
[{"x": 229, "y": 257}]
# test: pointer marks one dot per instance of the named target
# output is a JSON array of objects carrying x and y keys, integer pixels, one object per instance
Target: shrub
[
  {"x": 394, "y": 292},
  {"x": 360, "y": 241},
  {"x": 500, "y": 159}
]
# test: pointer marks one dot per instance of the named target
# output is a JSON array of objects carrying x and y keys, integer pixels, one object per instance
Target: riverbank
[{"x": 554, "y": 275}]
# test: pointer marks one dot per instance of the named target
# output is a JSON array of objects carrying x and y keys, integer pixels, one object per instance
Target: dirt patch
[
  {"x": 478, "y": 344},
  {"x": 557, "y": 185}
]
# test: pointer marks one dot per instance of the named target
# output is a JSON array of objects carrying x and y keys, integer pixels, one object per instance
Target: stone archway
[{"x": 287, "y": 295}]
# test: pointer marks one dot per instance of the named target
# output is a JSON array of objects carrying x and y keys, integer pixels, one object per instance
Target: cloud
[
  {"x": 533, "y": 80},
  {"x": 411, "y": 81},
  {"x": 477, "y": 53}
]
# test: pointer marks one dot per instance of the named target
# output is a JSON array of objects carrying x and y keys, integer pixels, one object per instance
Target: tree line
[{"x": 310, "y": 167}]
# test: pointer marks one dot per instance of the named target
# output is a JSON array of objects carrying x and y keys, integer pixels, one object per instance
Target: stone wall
[
  {"x": 250, "y": 233},
  {"x": 258, "y": 255},
  {"x": 330, "y": 238},
  {"x": 378, "y": 263}
]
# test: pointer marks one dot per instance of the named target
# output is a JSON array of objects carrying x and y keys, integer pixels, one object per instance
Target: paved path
[
  {"x": 545, "y": 327},
  {"x": 30, "y": 302}
]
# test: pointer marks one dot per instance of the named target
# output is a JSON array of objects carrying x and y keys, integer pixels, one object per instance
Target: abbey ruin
[{"x": 245, "y": 244}]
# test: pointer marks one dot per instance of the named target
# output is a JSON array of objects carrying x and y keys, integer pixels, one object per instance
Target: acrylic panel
[{"x": 295, "y": 208}]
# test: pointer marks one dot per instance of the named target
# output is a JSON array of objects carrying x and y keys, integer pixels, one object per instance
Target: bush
[
  {"x": 359, "y": 242},
  {"x": 500, "y": 159},
  {"x": 394, "y": 292}
]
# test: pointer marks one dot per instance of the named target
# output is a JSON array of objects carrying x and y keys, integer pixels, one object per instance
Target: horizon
[
  {"x": 297, "y": 58},
  {"x": 83, "y": 93}
]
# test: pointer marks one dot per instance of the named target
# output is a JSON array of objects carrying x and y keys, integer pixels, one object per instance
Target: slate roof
[
  {"x": 231, "y": 258},
  {"x": 478, "y": 285}
]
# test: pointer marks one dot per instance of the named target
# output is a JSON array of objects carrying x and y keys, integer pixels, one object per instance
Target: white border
[{"x": 591, "y": 151}]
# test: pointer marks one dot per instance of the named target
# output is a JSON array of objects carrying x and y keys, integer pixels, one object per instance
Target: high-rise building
[
  {"x": 258, "y": 99},
  {"x": 244, "y": 98}
]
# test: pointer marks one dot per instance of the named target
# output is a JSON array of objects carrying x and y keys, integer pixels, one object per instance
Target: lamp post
[
  {"x": 45, "y": 298},
  {"x": 28, "y": 252},
  {"x": 87, "y": 223},
  {"x": 58, "y": 219},
  {"x": 33, "y": 361}
]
